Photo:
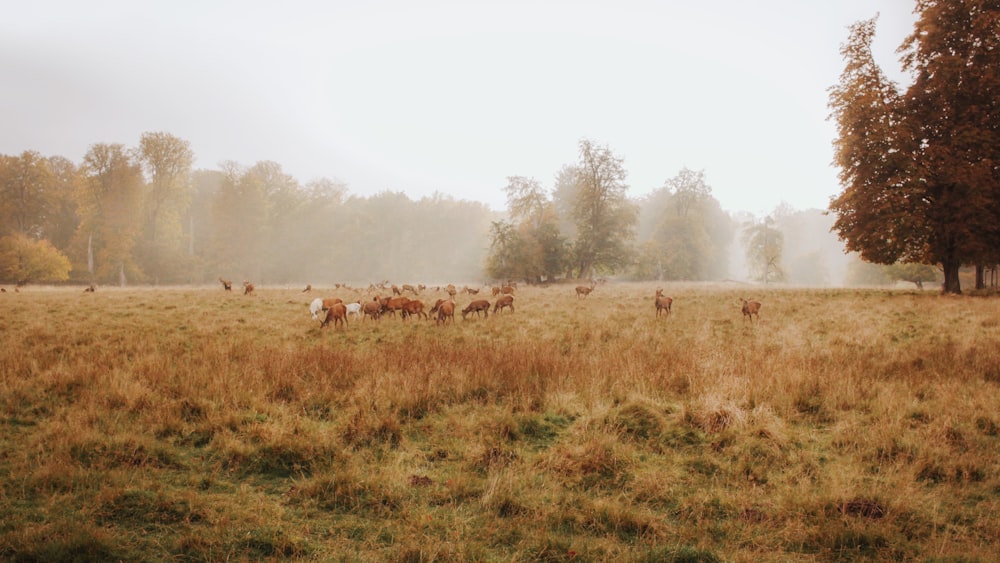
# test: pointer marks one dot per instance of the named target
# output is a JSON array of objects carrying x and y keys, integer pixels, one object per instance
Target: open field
[{"x": 199, "y": 425}]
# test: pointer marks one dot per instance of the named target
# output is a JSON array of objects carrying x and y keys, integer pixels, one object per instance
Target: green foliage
[
  {"x": 917, "y": 274},
  {"x": 24, "y": 261}
]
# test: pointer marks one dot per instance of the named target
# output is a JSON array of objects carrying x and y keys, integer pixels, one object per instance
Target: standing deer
[
  {"x": 663, "y": 302},
  {"x": 226, "y": 284},
  {"x": 583, "y": 290},
  {"x": 750, "y": 308},
  {"x": 445, "y": 310},
  {"x": 247, "y": 288}
]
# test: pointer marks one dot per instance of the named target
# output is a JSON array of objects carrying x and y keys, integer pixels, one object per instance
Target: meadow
[{"x": 191, "y": 424}]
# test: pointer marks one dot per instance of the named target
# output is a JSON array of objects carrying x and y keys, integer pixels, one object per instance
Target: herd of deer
[
  {"x": 337, "y": 312},
  {"x": 443, "y": 310}
]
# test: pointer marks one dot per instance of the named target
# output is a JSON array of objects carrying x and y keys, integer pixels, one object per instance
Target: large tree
[
  {"x": 542, "y": 250},
  {"x": 686, "y": 232},
  {"x": 921, "y": 169},
  {"x": 605, "y": 219},
  {"x": 764, "y": 248},
  {"x": 110, "y": 207},
  {"x": 167, "y": 161},
  {"x": 26, "y": 194}
]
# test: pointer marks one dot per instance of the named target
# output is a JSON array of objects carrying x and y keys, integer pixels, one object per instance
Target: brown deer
[
  {"x": 504, "y": 302},
  {"x": 394, "y": 304},
  {"x": 372, "y": 309},
  {"x": 308, "y": 288},
  {"x": 583, "y": 290},
  {"x": 413, "y": 307},
  {"x": 337, "y": 313},
  {"x": 663, "y": 303},
  {"x": 226, "y": 284},
  {"x": 247, "y": 288},
  {"x": 750, "y": 309},
  {"x": 477, "y": 306},
  {"x": 445, "y": 310}
]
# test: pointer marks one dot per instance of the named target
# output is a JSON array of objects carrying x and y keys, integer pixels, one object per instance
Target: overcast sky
[{"x": 449, "y": 96}]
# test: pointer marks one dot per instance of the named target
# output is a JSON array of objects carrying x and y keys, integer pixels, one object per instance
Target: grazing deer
[
  {"x": 354, "y": 309},
  {"x": 226, "y": 284},
  {"x": 372, "y": 309},
  {"x": 319, "y": 305},
  {"x": 663, "y": 302},
  {"x": 583, "y": 290},
  {"x": 750, "y": 308},
  {"x": 504, "y": 302},
  {"x": 90, "y": 289},
  {"x": 477, "y": 306},
  {"x": 413, "y": 307},
  {"x": 308, "y": 288},
  {"x": 393, "y": 304},
  {"x": 337, "y": 313},
  {"x": 410, "y": 288},
  {"x": 507, "y": 290}
]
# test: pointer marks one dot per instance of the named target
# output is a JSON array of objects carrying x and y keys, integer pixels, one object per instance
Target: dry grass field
[{"x": 191, "y": 424}]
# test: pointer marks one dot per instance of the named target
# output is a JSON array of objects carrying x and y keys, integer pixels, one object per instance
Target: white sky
[{"x": 448, "y": 96}]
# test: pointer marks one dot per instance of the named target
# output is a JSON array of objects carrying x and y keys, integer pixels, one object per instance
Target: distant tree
[
  {"x": 689, "y": 190},
  {"x": 526, "y": 200},
  {"x": 687, "y": 233},
  {"x": 110, "y": 209},
  {"x": 919, "y": 171},
  {"x": 24, "y": 260},
  {"x": 917, "y": 274},
  {"x": 543, "y": 252},
  {"x": 861, "y": 273},
  {"x": 26, "y": 198},
  {"x": 764, "y": 247},
  {"x": 239, "y": 217},
  {"x": 605, "y": 219},
  {"x": 167, "y": 161},
  {"x": 63, "y": 218},
  {"x": 199, "y": 225},
  {"x": 505, "y": 251}
]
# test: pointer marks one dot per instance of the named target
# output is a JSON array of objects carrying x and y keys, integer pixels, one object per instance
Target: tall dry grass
[{"x": 193, "y": 424}]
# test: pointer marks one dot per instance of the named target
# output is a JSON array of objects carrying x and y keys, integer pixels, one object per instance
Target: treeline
[{"x": 142, "y": 215}]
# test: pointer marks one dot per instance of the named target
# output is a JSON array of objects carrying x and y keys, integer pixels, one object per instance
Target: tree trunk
[
  {"x": 980, "y": 276},
  {"x": 951, "y": 281}
]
